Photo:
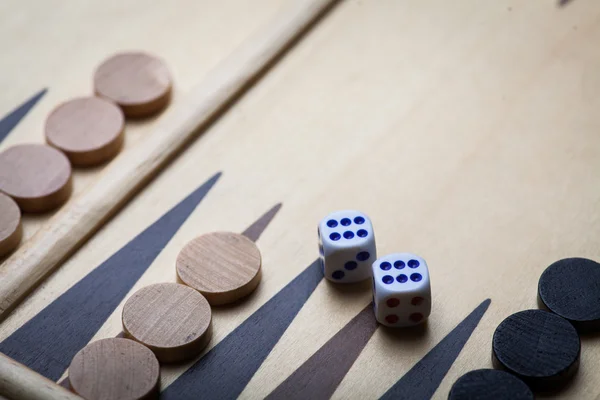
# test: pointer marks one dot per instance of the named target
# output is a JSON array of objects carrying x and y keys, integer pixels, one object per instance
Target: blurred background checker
[
  {"x": 139, "y": 83},
  {"x": 223, "y": 266},
  {"x": 115, "y": 369},
  {"x": 571, "y": 288},
  {"x": 10, "y": 225},
  {"x": 172, "y": 320},
  {"x": 37, "y": 177},
  {"x": 489, "y": 384},
  {"x": 89, "y": 130}
]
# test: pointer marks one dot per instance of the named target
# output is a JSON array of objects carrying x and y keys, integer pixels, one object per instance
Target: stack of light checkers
[
  {"x": 168, "y": 322},
  {"x": 540, "y": 349},
  {"x": 85, "y": 131}
]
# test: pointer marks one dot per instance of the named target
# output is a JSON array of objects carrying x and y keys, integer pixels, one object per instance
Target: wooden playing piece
[
  {"x": 571, "y": 288},
  {"x": 138, "y": 82},
  {"x": 89, "y": 130},
  {"x": 115, "y": 368},
  {"x": 128, "y": 174},
  {"x": 223, "y": 266},
  {"x": 539, "y": 347},
  {"x": 489, "y": 384},
  {"x": 172, "y": 320},
  {"x": 37, "y": 177},
  {"x": 10, "y": 225}
]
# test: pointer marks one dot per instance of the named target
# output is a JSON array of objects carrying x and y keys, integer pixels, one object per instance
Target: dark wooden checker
[{"x": 468, "y": 132}]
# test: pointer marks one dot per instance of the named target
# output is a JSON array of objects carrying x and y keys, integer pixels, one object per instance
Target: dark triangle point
[
  {"x": 254, "y": 231},
  {"x": 11, "y": 120},
  {"x": 226, "y": 369},
  {"x": 48, "y": 342},
  {"x": 423, "y": 379},
  {"x": 321, "y": 374}
]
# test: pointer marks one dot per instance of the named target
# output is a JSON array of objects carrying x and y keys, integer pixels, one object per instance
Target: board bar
[
  {"x": 132, "y": 170},
  {"x": 19, "y": 382}
]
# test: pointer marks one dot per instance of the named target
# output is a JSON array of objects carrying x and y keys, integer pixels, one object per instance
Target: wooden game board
[{"x": 467, "y": 130}]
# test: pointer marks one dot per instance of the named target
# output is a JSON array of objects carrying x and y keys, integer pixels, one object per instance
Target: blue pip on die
[{"x": 346, "y": 246}]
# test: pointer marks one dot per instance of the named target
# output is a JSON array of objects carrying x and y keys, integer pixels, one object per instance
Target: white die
[
  {"x": 346, "y": 246},
  {"x": 401, "y": 290}
]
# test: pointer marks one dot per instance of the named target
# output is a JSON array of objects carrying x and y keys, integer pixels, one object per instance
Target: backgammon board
[{"x": 468, "y": 131}]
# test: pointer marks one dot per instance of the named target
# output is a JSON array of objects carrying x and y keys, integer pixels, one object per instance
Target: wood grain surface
[
  {"x": 466, "y": 130},
  {"x": 79, "y": 313},
  {"x": 115, "y": 369},
  {"x": 20, "y": 383},
  {"x": 140, "y": 83},
  {"x": 254, "y": 231},
  {"x": 320, "y": 375},
  {"x": 223, "y": 266},
  {"x": 37, "y": 177},
  {"x": 89, "y": 130},
  {"x": 238, "y": 357},
  {"x": 11, "y": 229},
  {"x": 424, "y": 378},
  {"x": 12, "y": 119},
  {"x": 130, "y": 172},
  {"x": 172, "y": 320}
]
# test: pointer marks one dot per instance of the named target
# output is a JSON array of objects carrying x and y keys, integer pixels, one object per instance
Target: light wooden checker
[
  {"x": 37, "y": 177},
  {"x": 174, "y": 321},
  {"x": 11, "y": 229},
  {"x": 115, "y": 369},
  {"x": 223, "y": 266},
  {"x": 467, "y": 131},
  {"x": 138, "y": 82},
  {"x": 89, "y": 130}
]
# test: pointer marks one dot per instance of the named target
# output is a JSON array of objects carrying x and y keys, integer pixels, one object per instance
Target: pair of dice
[{"x": 348, "y": 253}]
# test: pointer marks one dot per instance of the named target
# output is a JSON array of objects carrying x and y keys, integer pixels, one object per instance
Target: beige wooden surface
[
  {"x": 466, "y": 130},
  {"x": 134, "y": 168}
]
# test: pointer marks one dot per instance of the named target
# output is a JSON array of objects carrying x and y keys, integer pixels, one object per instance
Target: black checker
[
  {"x": 571, "y": 288},
  {"x": 537, "y": 346},
  {"x": 489, "y": 384}
]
